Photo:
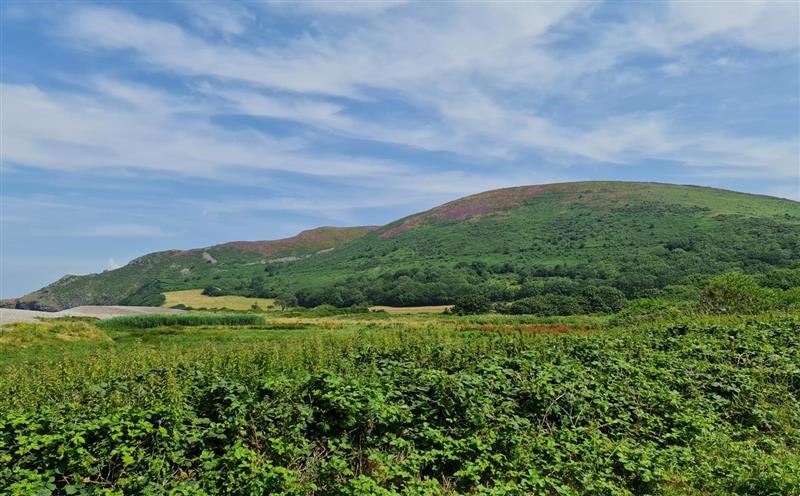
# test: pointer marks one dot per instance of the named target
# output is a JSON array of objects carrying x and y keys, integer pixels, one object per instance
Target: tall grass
[{"x": 161, "y": 320}]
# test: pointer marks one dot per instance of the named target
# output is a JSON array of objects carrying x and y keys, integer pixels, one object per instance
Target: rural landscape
[
  {"x": 580, "y": 338},
  {"x": 399, "y": 247}
]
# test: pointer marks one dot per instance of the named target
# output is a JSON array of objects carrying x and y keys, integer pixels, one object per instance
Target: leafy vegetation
[
  {"x": 149, "y": 321},
  {"x": 408, "y": 405}
]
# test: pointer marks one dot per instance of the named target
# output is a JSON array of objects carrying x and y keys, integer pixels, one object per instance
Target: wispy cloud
[
  {"x": 128, "y": 126},
  {"x": 458, "y": 69}
]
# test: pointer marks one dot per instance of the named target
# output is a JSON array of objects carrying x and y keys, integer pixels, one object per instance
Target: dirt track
[{"x": 8, "y": 315}]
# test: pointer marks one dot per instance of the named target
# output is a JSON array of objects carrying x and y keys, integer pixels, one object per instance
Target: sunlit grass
[{"x": 193, "y": 298}]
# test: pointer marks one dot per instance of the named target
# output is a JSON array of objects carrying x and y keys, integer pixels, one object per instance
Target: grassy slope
[
  {"x": 608, "y": 224},
  {"x": 611, "y": 226},
  {"x": 184, "y": 269}
]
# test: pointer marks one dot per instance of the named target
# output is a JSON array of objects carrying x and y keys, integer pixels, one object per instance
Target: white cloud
[
  {"x": 228, "y": 19},
  {"x": 112, "y": 265},
  {"x": 131, "y": 127},
  {"x": 764, "y": 25},
  {"x": 390, "y": 51},
  {"x": 477, "y": 74}
]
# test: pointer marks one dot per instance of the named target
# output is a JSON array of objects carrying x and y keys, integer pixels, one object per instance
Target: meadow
[
  {"x": 378, "y": 403},
  {"x": 194, "y": 298}
]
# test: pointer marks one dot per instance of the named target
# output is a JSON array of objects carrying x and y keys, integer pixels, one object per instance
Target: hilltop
[{"x": 639, "y": 238}]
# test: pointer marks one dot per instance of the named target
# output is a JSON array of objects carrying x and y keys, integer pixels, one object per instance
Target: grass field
[
  {"x": 419, "y": 404},
  {"x": 193, "y": 298}
]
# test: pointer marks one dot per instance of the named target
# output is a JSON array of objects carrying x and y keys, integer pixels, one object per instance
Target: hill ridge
[{"x": 595, "y": 231}]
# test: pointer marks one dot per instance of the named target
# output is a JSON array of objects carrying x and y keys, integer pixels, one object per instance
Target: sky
[{"x": 132, "y": 127}]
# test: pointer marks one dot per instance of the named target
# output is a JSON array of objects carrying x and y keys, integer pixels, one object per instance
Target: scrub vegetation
[{"x": 375, "y": 403}]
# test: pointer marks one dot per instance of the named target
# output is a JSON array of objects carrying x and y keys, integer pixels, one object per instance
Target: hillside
[
  {"x": 143, "y": 279},
  {"x": 640, "y": 238}
]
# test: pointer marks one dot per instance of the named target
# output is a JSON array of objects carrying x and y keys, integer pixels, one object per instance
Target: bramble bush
[
  {"x": 677, "y": 409},
  {"x": 736, "y": 293}
]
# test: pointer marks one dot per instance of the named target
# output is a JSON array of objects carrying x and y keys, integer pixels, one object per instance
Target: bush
[
  {"x": 286, "y": 300},
  {"x": 472, "y": 304},
  {"x": 545, "y": 305},
  {"x": 790, "y": 298},
  {"x": 212, "y": 291},
  {"x": 781, "y": 278},
  {"x": 735, "y": 292},
  {"x": 646, "y": 310},
  {"x": 602, "y": 299},
  {"x": 328, "y": 311}
]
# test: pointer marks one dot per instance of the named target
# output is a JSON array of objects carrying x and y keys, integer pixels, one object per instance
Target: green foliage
[
  {"x": 781, "y": 278},
  {"x": 736, "y": 293},
  {"x": 708, "y": 409},
  {"x": 649, "y": 310},
  {"x": 546, "y": 304},
  {"x": 286, "y": 300},
  {"x": 471, "y": 305},
  {"x": 149, "y": 321},
  {"x": 212, "y": 291},
  {"x": 561, "y": 299}
]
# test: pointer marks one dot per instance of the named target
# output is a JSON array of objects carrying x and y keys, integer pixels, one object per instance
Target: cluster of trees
[
  {"x": 556, "y": 290},
  {"x": 551, "y": 300},
  {"x": 729, "y": 293},
  {"x": 592, "y": 299}
]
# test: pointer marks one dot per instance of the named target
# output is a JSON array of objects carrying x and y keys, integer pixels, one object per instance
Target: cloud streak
[{"x": 458, "y": 71}]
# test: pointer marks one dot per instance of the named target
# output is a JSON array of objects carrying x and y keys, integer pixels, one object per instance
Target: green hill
[
  {"x": 142, "y": 281},
  {"x": 641, "y": 238}
]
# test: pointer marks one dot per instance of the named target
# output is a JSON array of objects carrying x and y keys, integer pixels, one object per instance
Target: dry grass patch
[
  {"x": 193, "y": 298},
  {"x": 24, "y": 334},
  {"x": 400, "y": 310}
]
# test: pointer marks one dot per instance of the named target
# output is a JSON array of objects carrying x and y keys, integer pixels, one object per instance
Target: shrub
[
  {"x": 790, "y": 298},
  {"x": 545, "y": 305},
  {"x": 647, "y": 310},
  {"x": 781, "y": 278},
  {"x": 602, "y": 299},
  {"x": 286, "y": 300},
  {"x": 735, "y": 292},
  {"x": 472, "y": 304},
  {"x": 212, "y": 291}
]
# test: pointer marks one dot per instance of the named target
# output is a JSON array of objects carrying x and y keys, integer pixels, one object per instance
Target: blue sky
[{"x": 131, "y": 127}]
